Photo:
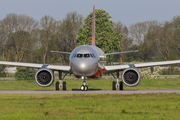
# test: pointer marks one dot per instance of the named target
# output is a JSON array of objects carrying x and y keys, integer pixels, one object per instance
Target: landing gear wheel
[
  {"x": 113, "y": 85},
  {"x": 57, "y": 85},
  {"x": 64, "y": 85},
  {"x": 82, "y": 87},
  {"x": 86, "y": 87},
  {"x": 121, "y": 85}
]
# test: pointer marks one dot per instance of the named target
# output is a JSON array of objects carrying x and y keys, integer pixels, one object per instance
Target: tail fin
[{"x": 93, "y": 28}]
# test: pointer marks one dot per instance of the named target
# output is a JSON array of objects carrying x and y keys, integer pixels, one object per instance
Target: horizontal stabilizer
[
  {"x": 61, "y": 52},
  {"x": 121, "y": 52}
]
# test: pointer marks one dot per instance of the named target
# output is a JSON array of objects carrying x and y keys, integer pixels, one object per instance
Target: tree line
[{"x": 24, "y": 39}]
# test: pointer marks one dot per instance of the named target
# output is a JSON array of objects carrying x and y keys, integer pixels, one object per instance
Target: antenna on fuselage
[{"x": 93, "y": 27}]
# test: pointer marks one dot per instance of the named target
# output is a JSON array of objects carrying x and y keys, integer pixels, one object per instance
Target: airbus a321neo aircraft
[{"x": 85, "y": 63}]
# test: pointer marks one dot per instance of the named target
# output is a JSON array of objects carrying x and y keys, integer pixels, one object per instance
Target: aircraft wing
[
  {"x": 140, "y": 65},
  {"x": 34, "y": 65},
  {"x": 61, "y": 52},
  {"x": 121, "y": 52}
]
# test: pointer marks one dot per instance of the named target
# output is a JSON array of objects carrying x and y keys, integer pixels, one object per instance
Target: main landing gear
[
  {"x": 117, "y": 83},
  {"x": 84, "y": 87},
  {"x": 60, "y": 83}
]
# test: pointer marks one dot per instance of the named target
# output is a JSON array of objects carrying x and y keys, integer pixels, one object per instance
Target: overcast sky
[{"x": 126, "y": 11}]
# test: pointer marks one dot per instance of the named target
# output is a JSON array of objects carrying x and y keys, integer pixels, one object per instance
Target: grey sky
[{"x": 126, "y": 11}]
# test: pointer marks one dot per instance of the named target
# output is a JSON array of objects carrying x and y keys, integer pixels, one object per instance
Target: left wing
[
  {"x": 34, "y": 65},
  {"x": 140, "y": 65}
]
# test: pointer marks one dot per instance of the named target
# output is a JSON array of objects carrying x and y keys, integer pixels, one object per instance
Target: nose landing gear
[{"x": 84, "y": 87}]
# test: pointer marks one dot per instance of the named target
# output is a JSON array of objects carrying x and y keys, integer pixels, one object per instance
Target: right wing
[
  {"x": 34, "y": 65},
  {"x": 140, "y": 65}
]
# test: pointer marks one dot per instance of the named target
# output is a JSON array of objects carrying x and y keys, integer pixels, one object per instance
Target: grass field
[
  {"x": 90, "y": 107},
  {"x": 169, "y": 83}
]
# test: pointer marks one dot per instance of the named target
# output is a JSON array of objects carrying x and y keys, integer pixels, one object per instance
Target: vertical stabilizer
[{"x": 93, "y": 27}]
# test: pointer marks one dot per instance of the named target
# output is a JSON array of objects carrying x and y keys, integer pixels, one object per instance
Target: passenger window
[
  {"x": 86, "y": 55},
  {"x": 79, "y": 55}
]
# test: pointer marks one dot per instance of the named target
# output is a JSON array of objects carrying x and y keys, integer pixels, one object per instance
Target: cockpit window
[
  {"x": 74, "y": 55},
  {"x": 79, "y": 55},
  {"x": 86, "y": 55},
  {"x": 92, "y": 55}
]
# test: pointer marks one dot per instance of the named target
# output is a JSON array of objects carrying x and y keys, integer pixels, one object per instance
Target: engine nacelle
[
  {"x": 131, "y": 77},
  {"x": 44, "y": 77}
]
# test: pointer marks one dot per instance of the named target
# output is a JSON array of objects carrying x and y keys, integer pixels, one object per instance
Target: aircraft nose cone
[
  {"x": 83, "y": 65},
  {"x": 84, "y": 68}
]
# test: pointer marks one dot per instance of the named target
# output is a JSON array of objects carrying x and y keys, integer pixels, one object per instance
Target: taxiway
[{"x": 91, "y": 91}]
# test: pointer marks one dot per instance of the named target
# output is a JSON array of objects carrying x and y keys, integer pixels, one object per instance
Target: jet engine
[
  {"x": 44, "y": 77},
  {"x": 131, "y": 77}
]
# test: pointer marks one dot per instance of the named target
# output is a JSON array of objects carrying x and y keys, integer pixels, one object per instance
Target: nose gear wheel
[{"x": 84, "y": 88}]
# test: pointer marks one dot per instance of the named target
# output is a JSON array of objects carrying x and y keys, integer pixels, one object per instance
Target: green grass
[
  {"x": 170, "y": 83},
  {"x": 90, "y": 107},
  {"x": 173, "y": 71}
]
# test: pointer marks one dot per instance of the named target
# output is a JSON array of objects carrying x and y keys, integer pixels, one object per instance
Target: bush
[
  {"x": 21, "y": 73},
  {"x": 146, "y": 72},
  {"x": 170, "y": 71},
  {"x": 2, "y": 71}
]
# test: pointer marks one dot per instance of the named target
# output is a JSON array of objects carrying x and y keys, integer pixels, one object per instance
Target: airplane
[{"x": 85, "y": 62}]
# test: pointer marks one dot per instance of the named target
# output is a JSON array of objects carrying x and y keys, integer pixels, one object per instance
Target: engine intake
[
  {"x": 44, "y": 77},
  {"x": 131, "y": 77}
]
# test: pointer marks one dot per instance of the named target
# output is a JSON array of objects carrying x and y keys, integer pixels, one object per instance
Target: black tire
[
  {"x": 86, "y": 88},
  {"x": 121, "y": 85},
  {"x": 82, "y": 88},
  {"x": 64, "y": 85},
  {"x": 57, "y": 85},
  {"x": 113, "y": 85}
]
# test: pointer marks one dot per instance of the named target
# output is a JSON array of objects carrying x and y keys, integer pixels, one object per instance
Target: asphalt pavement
[{"x": 91, "y": 91}]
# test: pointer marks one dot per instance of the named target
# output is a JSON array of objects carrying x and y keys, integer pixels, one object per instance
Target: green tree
[
  {"x": 126, "y": 42},
  {"x": 176, "y": 34},
  {"x": 106, "y": 38},
  {"x": 165, "y": 43},
  {"x": 141, "y": 33},
  {"x": 17, "y": 45},
  {"x": 66, "y": 35},
  {"x": 48, "y": 24},
  {"x": 12, "y": 27}
]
